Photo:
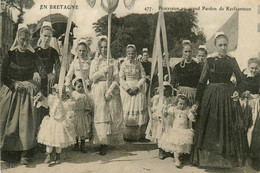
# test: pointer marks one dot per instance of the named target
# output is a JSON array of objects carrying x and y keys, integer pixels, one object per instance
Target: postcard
[{"x": 150, "y": 86}]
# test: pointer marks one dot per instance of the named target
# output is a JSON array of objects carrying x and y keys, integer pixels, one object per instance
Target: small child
[
  {"x": 178, "y": 135},
  {"x": 250, "y": 102},
  {"x": 155, "y": 127},
  {"x": 82, "y": 114},
  {"x": 250, "y": 98},
  {"x": 57, "y": 130}
]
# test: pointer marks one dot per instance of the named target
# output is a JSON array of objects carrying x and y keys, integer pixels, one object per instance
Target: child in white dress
[
  {"x": 178, "y": 134},
  {"x": 57, "y": 130},
  {"x": 82, "y": 114},
  {"x": 155, "y": 125}
]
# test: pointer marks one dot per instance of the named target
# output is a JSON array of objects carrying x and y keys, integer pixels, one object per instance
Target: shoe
[
  {"x": 57, "y": 159},
  {"x": 82, "y": 146},
  {"x": 162, "y": 154},
  {"x": 48, "y": 158},
  {"x": 76, "y": 147},
  {"x": 103, "y": 150},
  {"x": 24, "y": 161}
]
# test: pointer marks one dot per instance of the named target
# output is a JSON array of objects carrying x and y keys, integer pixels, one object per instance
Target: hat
[
  {"x": 131, "y": 45},
  {"x": 202, "y": 47},
  {"x": 217, "y": 34},
  {"x": 145, "y": 49},
  {"x": 15, "y": 44},
  {"x": 102, "y": 37},
  {"x": 186, "y": 42},
  {"x": 22, "y": 25},
  {"x": 46, "y": 23},
  {"x": 82, "y": 40}
]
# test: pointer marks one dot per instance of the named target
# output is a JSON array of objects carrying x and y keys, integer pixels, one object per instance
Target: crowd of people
[{"x": 210, "y": 109}]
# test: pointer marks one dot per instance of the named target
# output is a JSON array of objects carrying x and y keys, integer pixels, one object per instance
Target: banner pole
[{"x": 108, "y": 44}]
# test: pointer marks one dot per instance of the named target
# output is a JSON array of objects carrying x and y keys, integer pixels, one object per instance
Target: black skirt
[{"x": 220, "y": 135}]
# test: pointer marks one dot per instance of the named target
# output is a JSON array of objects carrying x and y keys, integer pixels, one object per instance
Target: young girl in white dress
[
  {"x": 178, "y": 134},
  {"x": 57, "y": 130},
  {"x": 83, "y": 108},
  {"x": 155, "y": 125}
]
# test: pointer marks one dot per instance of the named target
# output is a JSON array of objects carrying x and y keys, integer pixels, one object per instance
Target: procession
[{"x": 201, "y": 112}]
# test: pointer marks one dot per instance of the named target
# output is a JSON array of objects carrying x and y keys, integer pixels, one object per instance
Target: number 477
[{"x": 148, "y": 9}]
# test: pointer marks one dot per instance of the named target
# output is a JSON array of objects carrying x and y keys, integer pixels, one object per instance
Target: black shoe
[
  {"x": 76, "y": 146},
  {"x": 103, "y": 150},
  {"x": 82, "y": 146},
  {"x": 57, "y": 159},
  {"x": 162, "y": 154}
]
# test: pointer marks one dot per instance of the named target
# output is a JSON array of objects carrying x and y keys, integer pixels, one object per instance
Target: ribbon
[{"x": 157, "y": 58}]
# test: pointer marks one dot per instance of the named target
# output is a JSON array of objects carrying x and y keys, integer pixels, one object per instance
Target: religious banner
[
  {"x": 91, "y": 3},
  {"x": 129, "y": 4}
]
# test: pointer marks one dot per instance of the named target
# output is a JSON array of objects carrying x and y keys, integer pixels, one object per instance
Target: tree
[
  {"x": 139, "y": 29},
  {"x": 20, "y": 5}
]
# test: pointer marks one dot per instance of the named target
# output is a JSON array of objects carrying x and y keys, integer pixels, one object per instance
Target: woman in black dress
[
  {"x": 19, "y": 121},
  {"x": 186, "y": 73},
  {"x": 47, "y": 63},
  {"x": 220, "y": 136},
  {"x": 47, "y": 59}
]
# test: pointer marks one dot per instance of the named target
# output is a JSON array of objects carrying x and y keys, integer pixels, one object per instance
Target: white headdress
[
  {"x": 131, "y": 45},
  {"x": 44, "y": 24},
  {"x": 186, "y": 42},
  {"x": 219, "y": 34},
  {"x": 202, "y": 47},
  {"x": 15, "y": 45},
  {"x": 145, "y": 49},
  {"x": 99, "y": 39},
  {"x": 102, "y": 37},
  {"x": 82, "y": 40}
]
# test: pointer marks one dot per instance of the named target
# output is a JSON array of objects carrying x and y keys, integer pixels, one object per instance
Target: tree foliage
[
  {"x": 140, "y": 29},
  {"x": 20, "y": 5}
]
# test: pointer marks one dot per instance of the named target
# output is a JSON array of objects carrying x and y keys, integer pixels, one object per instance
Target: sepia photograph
[{"x": 130, "y": 86}]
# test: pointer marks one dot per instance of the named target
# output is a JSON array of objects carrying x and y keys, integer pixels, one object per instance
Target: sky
[{"x": 84, "y": 17}]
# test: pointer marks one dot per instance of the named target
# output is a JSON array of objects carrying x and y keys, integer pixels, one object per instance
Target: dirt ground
[{"x": 127, "y": 158}]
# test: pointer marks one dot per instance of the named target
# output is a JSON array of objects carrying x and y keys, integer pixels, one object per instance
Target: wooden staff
[
  {"x": 65, "y": 51},
  {"x": 108, "y": 44}
]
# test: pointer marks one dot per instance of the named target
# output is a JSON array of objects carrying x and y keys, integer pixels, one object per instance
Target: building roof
[
  {"x": 230, "y": 28},
  {"x": 59, "y": 24}
]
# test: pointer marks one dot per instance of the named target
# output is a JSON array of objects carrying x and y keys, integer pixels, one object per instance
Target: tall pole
[
  {"x": 65, "y": 51},
  {"x": 108, "y": 43}
]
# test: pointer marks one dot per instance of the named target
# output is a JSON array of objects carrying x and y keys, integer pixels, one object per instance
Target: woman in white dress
[
  {"x": 80, "y": 65},
  {"x": 107, "y": 121},
  {"x": 132, "y": 81}
]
